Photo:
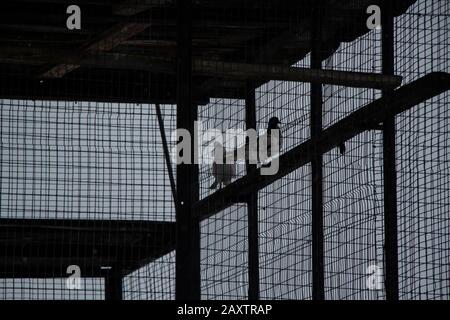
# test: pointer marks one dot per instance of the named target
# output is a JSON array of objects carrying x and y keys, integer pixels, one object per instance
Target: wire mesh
[
  {"x": 84, "y": 178},
  {"x": 422, "y": 36}
]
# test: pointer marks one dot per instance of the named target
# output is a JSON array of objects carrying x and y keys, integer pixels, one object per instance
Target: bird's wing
[{"x": 214, "y": 169}]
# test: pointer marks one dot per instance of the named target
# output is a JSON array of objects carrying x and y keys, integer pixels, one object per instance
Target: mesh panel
[
  {"x": 422, "y": 159},
  {"x": 85, "y": 179}
]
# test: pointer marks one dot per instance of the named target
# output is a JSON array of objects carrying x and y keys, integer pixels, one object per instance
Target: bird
[
  {"x": 342, "y": 148},
  {"x": 249, "y": 152},
  {"x": 222, "y": 172},
  {"x": 274, "y": 124}
]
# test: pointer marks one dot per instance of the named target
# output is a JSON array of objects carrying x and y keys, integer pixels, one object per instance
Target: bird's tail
[{"x": 214, "y": 185}]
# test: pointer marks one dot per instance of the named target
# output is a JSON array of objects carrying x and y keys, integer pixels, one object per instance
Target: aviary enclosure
[{"x": 93, "y": 205}]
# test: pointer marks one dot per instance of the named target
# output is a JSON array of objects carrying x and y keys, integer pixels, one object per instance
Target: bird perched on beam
[
  {"x": 250, "y": 151},
  {"x": 221, "y": 171},
  {"x": 342, "y": 148},
  {"x": 274, "y": 124}
]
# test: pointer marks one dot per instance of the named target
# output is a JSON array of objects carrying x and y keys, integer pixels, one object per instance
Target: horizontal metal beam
[
  {"x": 215, "y": 69},
  {"x": 110, "y": 39},
  {"x": 48, "y": 246},
  {"x": 245, "y": 71},
  {"x": 374, "y": 113},
  {"x": 129, "y": 8},
  {"x": 80, "y": 86}
]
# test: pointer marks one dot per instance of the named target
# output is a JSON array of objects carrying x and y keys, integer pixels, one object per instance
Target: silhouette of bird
[
  {"x": 342, "y": 148},
  {"x": 251, "y": 152},
  {"x": 222, "y": 172},
  {"x": 274, "y": 123}
]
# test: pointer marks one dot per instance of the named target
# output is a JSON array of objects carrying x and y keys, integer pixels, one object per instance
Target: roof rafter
[{"x": 106, "y": 42}]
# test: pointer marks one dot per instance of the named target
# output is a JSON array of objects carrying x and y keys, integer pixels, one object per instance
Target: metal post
[
  {"x": 113, "y": 284},
  {"x": 316, "y": 164},
  {"x": 252, "y": 204},
  {"x": 389, "y": 172},
  {"x": 187, "y": 227}
]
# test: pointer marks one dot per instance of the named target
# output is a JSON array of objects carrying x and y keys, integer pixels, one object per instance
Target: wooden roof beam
[
  {"x": 214, "y": 69},
  {"x": 243, "y": 71},
  {"x": 132, "y": 7},
  {"x": 106, "y": 42}
]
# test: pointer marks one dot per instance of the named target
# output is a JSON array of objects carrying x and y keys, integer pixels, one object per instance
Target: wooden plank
[
  {"x": 106, "y": 42},
  {"x": 68, "y": 2},
  {"x": 374, "y": 113},
  {"x": 244, "y": 71},
  {"x": 214, "y": 69},
  {"x": 115, "y": 36},
  {"x": 42, "y": 29},
  {"x": 132, "y": 7}
]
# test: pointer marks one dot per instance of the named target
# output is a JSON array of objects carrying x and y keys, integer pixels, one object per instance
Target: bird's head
[{"x": 273, "y": 123}]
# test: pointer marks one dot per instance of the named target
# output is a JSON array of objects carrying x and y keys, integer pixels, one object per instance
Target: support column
[
  {"x": 389, "y": 172},
  {"x": 187, "y": 227},
  {"x": 252, "y": 204},
  {"x": 317, "y": 162},
  {"x": 113, "y": 284}
]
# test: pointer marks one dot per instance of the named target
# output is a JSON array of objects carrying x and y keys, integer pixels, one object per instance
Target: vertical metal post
[
  {"x": 187, "y": 285},
  {"x": 113, "y": 284},
  {"x": 252, "y": 204},
  {"x": 389, "y": 172},
  {"x": 317, "y": 173}
]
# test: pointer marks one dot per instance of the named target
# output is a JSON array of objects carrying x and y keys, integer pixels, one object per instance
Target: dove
[
  {"x": 221, "y": 171},
  {"x": 274, "y": 123},
  {"x": 251, "y": 151}
]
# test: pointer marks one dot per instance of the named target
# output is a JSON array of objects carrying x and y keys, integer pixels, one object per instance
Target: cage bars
[
  {"x": 389, "y": 162},
  {"x": 318, "y": 270},
  {"x": 252, "y": 203},
  {"x": 188, "y": 229},
  {"x": 113, "y": 283}
]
